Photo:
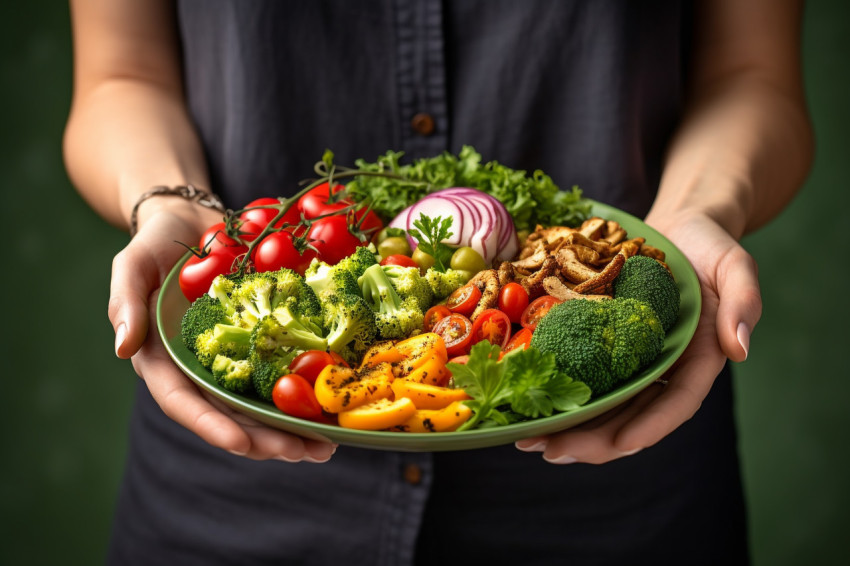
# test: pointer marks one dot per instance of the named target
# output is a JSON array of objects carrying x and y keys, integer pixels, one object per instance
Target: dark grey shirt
[{"x": 588, "y": 91}]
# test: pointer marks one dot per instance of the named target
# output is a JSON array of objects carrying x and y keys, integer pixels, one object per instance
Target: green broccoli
[
  {"x": 601, "y": 343},
  {"x": 268, "y": 365},
  {"x": 289, "y": 330},
  {"x": 445, "y": 283},
  {"x": 222, "y": 339},
  {"x": 203, "y": 314},
  {"x": 408, "y": 282},
  {"x": 222, "y": 289},
  {"x": 359, "y": 261},
  {"x": 394, "y": 317},
  {"x": 350, "y": 325},
  {"x": 325, "y": 279},
  {"x": 646, "y": 279},
  {"x": 254, "y": 296},
  {"x": 233, "y": 375}
]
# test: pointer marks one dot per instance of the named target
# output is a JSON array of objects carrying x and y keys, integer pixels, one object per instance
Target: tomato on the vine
[
  {"x": 513, "y": 298},
  {"x": 294, "y": 395},
  {"x": 399, "y": 259},
  {"x": 198, "y": 272},
  {"x": 464, "y": 299},
  {"x": 332, "y": 239},
  {"x": 310, "y": 364},
  {"x": 536, "y": 309},
  {"x": 434, "y": 315},
  {"x": 277, "y": 251},
  {"x": 216, "y": 237},
  {"x": 317, "y": 202},
  {"x": 492, "y": 325},
  {"x": 456, "y": 332}
]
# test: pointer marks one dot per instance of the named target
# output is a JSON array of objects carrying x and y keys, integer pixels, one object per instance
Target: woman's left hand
[{"x": 731, "y": 307}]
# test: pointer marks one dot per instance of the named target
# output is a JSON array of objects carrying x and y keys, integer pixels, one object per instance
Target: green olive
[
  {"x": 467, "y": 259},
  {"x": 393, "y": 245},
  {"x": 389, "y": 232},
  {"x": 423, "y": 260}
]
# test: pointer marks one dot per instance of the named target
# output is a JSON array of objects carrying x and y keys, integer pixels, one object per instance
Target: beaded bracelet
[{"x": 188, "y": 192}]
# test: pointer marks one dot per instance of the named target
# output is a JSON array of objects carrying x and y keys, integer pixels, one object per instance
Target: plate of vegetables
[{"x": 413, "y": 309}]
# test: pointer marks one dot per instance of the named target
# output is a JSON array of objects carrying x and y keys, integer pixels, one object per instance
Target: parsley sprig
[{"x": 429, "y": 234}]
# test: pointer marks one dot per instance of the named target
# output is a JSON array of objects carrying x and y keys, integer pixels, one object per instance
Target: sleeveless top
[{"x": 590, "y": 93}]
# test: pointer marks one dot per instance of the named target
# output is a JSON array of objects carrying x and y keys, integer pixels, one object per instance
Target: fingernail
[
  {"x": 744, "y": 338},
  {"x": 236, "y": 453},
  {"x": 285, "y": 459},
  {"x": 531, "y": 445},
  {"x": 120, "y": 335},
  {"x": 314, "y": 460},
  {"x": 632, "y": 452},
  {"x": 565, "y": 459}
]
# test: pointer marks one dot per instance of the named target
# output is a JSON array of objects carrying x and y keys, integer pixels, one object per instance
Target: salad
[{"x": 438, "y": 296}]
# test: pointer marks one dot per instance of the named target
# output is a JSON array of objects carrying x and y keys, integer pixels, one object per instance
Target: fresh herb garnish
[{"x": 429, "y": 234}]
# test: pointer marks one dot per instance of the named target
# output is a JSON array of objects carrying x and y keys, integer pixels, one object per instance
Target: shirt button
[
  {"x": 422, "y": 124},
  {"x": 412, "y": 474}
]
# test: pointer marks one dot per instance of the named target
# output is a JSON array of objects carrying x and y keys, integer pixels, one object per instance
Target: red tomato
[
  {"x": 294, "y": 395},
  {"x": 197, "y": 273},
  {"x": 456, "y": 332},
  {"x": 315, "y": 203},
  {"x": 536, "y": 309},
  {"x": 216, "y": 237},
  {"x": 331, "y": 237},
  {"x": 464, "y": 300},
  {"x": 513, "y": 298},
  {"x": 248, "y": 231},
  {"x": 460, "y": 359},
  {"x": 399, "y": 259},
  {"x": 434, "y": 315},
  {"x": 492, "y": 325},
  {"x": 310, "y": 364},
  {"x": 277, "y": 251},
  {"x": 520, "y": 340}
]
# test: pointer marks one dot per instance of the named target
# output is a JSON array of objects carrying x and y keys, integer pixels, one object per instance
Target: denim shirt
[{"x": 589, "y": 92}]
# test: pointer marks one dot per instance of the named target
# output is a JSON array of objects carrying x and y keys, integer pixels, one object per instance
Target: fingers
[
  {"x": 740, "y": 303},
  {"x": 133, "y": 280}
]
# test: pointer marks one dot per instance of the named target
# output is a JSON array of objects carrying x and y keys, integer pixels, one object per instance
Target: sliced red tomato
[
  {"x": 399, "y": 259},
  {"x": 536, "y": 310},
  {"x": 277, "y": 251},
  {"x": 310, "y": 364},
  {"x": 513, "y": 298},
  {"x": 294, "y": 395},
  {"x": 434, "y": 315},
  {"x": 197, "y": 273},
  {"x": 519, "y": 341},
  {"x": 464, "y": 299},
  {"x": 332, "y": 239},
  {"x": 492, "y": 325},
  {"x": 460, "y": 359},
  {"x": 456, "y": 332}
]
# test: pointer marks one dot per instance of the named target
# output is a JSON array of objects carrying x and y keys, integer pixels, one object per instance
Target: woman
[{"x": 690, "y": 115}]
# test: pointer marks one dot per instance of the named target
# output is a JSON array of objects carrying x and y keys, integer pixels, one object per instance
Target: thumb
[
  {"x": 740, "y": 304},
  {"x": 133, "y": 281}
]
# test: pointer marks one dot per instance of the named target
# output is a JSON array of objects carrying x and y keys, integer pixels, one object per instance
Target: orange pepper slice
[
  {"x": 427, "y": 396},
  {"x": 378, "y": 415},
  {"x": 437, "y": 420},
  {"x": 433, "y": 371},
  {"x": 340, "y": 388}
]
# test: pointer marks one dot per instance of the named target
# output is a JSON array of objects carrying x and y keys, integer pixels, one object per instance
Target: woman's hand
[
  {"x": 137, "y": 273},
  {"x": 731, "y": 307}
]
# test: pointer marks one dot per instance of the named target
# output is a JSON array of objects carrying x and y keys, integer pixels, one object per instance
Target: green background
[{"x": 66, "y": 398}]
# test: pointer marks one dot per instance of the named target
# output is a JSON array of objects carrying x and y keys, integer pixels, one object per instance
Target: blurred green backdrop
[{"x": 65, "y": 408}]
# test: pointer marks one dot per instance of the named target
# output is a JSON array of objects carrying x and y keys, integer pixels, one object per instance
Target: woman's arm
[
  {"x": 742, "y": 150},
  {"x": 128, "y": 131}
]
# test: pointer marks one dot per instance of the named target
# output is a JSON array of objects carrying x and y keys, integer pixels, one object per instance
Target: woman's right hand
[{"x": 137, "y": 274}]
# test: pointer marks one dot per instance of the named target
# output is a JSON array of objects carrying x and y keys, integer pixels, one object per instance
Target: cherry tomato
[
  {"x": 331, "y": 237},
  {"x": 399, "y": 259},
  {"x": 248, "y": 231},
  {"x": 464, "y": 299},
  {"x": 519, "y": 341},
  {"x": 310, "y": 364},
  {"x": 492, "y": 325},
  {"x": 263, "y": 216},
  {"x": 277, "y": 251},
  {"x": 294, "y": 395},
  {"x": 536, "y": 309},
  {"x": 513, "y": 298},
  {"x": 216, "y": 237},
  {"x": 434, "y": 315},
  {"x": 197, "y": 273},
  {"x": 456, "y": 332},
  {"x": 315, "y": 203}
]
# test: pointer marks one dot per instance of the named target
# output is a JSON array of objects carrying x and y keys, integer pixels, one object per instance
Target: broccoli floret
[
  {"x": 408, "y": 282},
  {"x": 233, "y": 375},
  {"x": 222, "y": 288},
  {"x": 350, "y": 324},
  {"x": 286, "y": 329},
  {"x": 254, "y": 296},
  {"x": 394, "y": 317},
  {"x": 289, "y": 284},
  {"x": 445, "y": 283},
  {"x": 222, "y": 339},
  {"x": 268, "y": 366},
  {"x": 362, "y": 259},
  {"x": 646, "y": 279},
  {"x": 601, "y": 343},
  {"x": 203, "y": 314},
  {"x": 326, "y": 279}
]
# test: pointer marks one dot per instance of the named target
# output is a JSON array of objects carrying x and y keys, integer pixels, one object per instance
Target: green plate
[{"x": 172, "y": 304}]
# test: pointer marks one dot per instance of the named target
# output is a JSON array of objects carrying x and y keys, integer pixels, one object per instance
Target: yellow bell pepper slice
[
  {"x": 340, "y": 388},
  {"x": 426, "y": 396},
  {"x": 378, "y": 415},
  {"x": 437, "y": 420},
  {"x": 433, "y": 371}
]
